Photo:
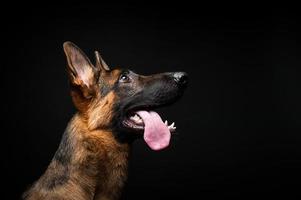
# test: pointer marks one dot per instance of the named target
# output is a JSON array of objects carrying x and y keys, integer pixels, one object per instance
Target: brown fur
[
  {"x": 97, "y": 167},
  {"x": 91, "y": 161},
  {"x": 97, "y": 170}
]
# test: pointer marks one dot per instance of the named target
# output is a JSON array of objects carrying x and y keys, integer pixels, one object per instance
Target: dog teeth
[
  {"x": 136, "y": 118},
  {"x": 172, "y": 129},
  {"x": 172, "y": 125}
]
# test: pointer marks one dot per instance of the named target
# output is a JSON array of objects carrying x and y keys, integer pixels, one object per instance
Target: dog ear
[
  {"x": 100, "y": 63},
  {"x": 81, "y": 71}
]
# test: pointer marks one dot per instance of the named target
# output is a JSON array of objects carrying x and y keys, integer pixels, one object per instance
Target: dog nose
[{"x": 181, "y": 78}]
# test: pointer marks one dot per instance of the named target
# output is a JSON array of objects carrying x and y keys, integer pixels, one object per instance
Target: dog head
[{"x": 121, "y": 100}]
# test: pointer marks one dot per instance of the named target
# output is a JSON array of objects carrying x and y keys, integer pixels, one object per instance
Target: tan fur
[
  {"x": 100, "y": 111},
  {"x": 90, "y": 163},
  {"x": 98, "y": 168}
]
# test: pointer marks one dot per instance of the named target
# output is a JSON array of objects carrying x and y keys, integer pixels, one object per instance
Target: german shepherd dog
[{"x": 115, "y": 107}]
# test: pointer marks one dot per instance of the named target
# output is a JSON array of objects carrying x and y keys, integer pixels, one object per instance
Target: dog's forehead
[
  {"x": 116, "y": 72},
  {"x": 111, "y": 77}
]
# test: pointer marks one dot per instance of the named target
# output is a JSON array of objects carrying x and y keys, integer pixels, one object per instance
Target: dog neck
[
  {"x": 89, "y": 164},
  {"x": 100, "y": 150}
]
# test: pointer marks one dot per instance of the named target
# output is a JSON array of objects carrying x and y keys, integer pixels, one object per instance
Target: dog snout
[{"x": 181, "y": 78}]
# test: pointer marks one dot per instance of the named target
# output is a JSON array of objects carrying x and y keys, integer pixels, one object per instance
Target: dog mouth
[
  {"x": 134, "y": 121},
  {"x": 157, "y": 133}
]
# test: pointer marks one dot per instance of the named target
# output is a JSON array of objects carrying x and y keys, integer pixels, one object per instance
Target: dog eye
[{"x": 124, "y": 78}]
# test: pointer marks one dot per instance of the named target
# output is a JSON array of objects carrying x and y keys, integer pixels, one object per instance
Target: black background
[{"x": 238, "y": 122}]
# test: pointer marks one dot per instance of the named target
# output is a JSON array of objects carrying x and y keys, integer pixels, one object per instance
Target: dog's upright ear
[
  {"x": 83, "y": 75},
  {"x": 100, "y": 63}
]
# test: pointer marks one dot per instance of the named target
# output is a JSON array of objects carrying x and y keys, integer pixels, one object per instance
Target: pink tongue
[{"x": 156, "y": 133}]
